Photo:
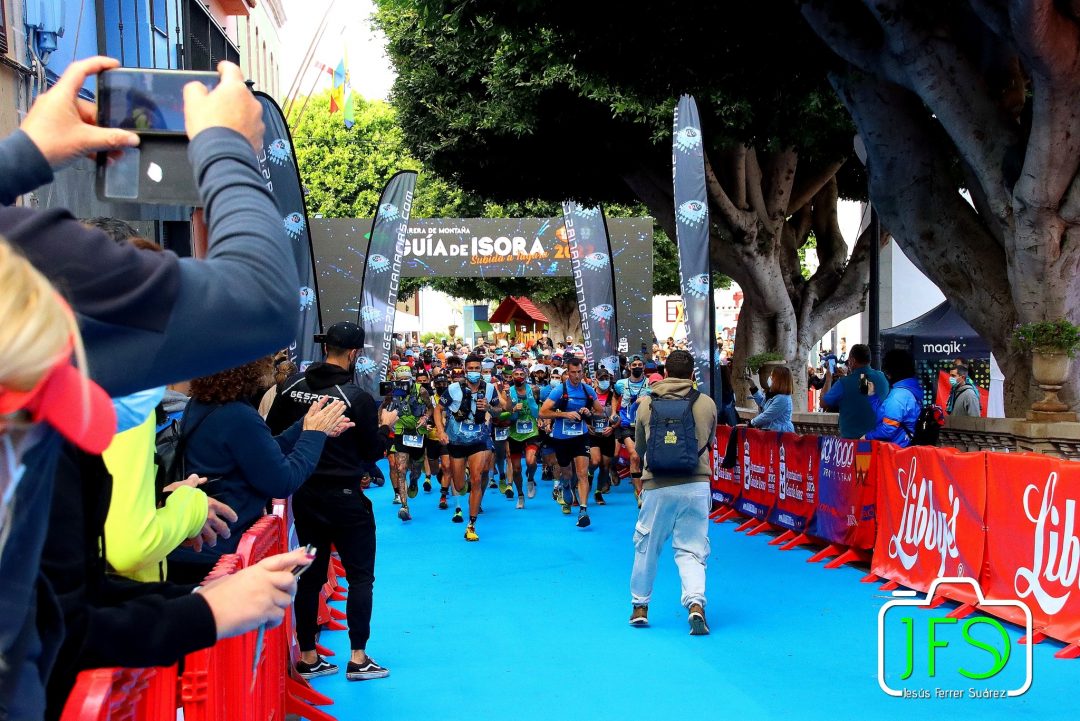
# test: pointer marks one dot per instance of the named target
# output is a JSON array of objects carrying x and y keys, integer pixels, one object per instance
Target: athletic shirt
[
  {"x": 630, "y": 391},
  {"x": 577, "y": 397},
  {"x": 412, "y": 407},
  {"x": 600, "y": 423},
  {"x": 470, "y": 431},
  {"x": 524, "y": 424}
]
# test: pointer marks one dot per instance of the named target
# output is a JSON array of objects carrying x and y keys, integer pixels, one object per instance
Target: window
[
  {"x": 672, "y": 311},
  {"x": 3, "y": 29}
]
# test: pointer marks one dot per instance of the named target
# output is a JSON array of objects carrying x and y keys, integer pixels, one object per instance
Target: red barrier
[
  {"x": 758, "y": 460},
  {"x": 846, "y": 503},
  {"x": 122, "y": 694},
  {"x": 797, "y": 469},
  {"x": 726, "y": 487},
  {"x": 931, "y": 506}
]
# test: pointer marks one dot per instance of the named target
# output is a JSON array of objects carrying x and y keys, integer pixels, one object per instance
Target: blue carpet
[{"x": 531, "y": 623}]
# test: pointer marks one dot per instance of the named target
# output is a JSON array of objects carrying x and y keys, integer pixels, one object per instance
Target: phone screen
[{"x": 147, "y": 101}]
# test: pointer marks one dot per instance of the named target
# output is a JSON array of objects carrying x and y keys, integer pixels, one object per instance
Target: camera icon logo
[{"x": 923, "y": 653}]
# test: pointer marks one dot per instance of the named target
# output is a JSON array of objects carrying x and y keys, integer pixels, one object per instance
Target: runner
[
  {"x": 602, "y": 431},
  {"x": 487, "y": 374},
  {"x": 431, "y": 443},
  {"x": 463, "y": 423},
  {"x": 441, "y": 384},
  {"x": 414, "y": 407},
  {"x": 627, "y": 393},
  {"x": 569, "y": 405},
  {"x": 524, "y": 433},
  {"x": 500, "y": 435}
]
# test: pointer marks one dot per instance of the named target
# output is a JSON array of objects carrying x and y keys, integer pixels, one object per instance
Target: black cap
[{"x": 342, "y": 335}]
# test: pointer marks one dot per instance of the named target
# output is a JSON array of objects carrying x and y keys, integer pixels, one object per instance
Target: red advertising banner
[
  {"x": 797, "y": 494},
  {"x": 726, "y": 484},
  {"x": 1032, "y": 548},
  {"x": 759, "y": 463},
  {"x": 846, "y": 493},
  {"x": 931, "y": 505}
]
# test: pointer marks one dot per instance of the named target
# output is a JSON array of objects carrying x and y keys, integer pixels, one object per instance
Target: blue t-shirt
[
  {"x": 857, "y": 415},
  {"x": 630, "y": 391},
  {"x": 577, "y": 397},
  {"x": 476, "y": 428}
]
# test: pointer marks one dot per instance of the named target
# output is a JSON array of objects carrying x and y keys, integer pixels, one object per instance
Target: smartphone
[
  {"x": 146, "y": 101},
  {"x": 298, "y": 570},
  {"x": 386, "y": 388}
]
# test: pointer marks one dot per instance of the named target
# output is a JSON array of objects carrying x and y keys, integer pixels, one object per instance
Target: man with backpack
[
  {"x": 570, "y": 406},
  {"x": 676, "y": 425},
  {"x": 964, "y": 396}
]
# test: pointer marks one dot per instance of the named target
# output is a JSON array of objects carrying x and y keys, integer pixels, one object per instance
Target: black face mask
[{"x": 637, "y": 372}]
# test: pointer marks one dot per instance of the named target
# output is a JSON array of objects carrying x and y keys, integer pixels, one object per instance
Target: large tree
[
  {"x": 558, "y": 99},
  {"x": 979, "y": 95},
  {"x": 345, "y": 169}
]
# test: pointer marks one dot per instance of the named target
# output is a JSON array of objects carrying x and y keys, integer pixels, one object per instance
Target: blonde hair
[{"x": 36, "y": 324}]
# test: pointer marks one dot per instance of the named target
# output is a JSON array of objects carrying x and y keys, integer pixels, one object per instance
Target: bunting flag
[
  {"x": 277, "y": 162},
  {"x": 594, "y": 281},
  {"x": 347, "y": 93},
  {"x": 692, "y": 235},
  {"x": 382, "y": 275},
  {"x": 337, "y": 88}
]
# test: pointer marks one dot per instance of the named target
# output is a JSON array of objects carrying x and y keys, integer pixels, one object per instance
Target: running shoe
[
  {"x": 605, "y": 486},
  {"x": 321, "y": 667},
  {"x": 509, "y": 492},
  {"x": 556, "y": 494},
  {"x": 598, "y": 498},
  {"x": 443, "y": 505},
  {"x": 520, "y": 502},
  {"x": 413, "y": 489},
  {"x": 458, "y": 518},
  {"x": 640, "y": 616},
  {"x": 493, "y": 483},
  {"x": 532, "y": 489},
  {"x": 502, "y": 486},
  {"x": 566, "y": 510},
  {"x": 427, "y": 485},
  {"x": 397, "y": 499},
  {"x": 583, "y": 519},
  {"x": 365, "y": 671},
  {"x": 404, "y": 514},
  {"x": 470, "y": 533},
  {"x": 698, "y": 626}
]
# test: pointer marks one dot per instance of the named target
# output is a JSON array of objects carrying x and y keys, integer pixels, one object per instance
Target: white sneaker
[
  {"x": 397, "y": 499},
  {"x": 520, "y": 502},
  {"x": 532, "y": 489}
]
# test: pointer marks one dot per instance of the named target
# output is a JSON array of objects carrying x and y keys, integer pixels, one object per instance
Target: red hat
[{"x": 76, "y": 407}]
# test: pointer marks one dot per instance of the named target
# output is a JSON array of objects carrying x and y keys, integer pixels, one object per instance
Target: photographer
[{"x": 849, "y": 395}]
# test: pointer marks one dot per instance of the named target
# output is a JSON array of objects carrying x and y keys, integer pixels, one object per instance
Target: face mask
[
  {"x": 770, "y": 381},
  {"x": 486, "y": 377},
  {"x": 553, "y": 382},
  {"x": 473, "y": 376},
  {"x": 519, "y": 382},
  {"x": 636, "y": 372},
  {"x": 953, "y": 380},
  {"x": 604, "y": 385}
]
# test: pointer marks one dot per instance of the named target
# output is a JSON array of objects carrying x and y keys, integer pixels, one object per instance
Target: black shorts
[
  {"x": 433, "y": 448},
  {"x": 415, "y": 454},
  {"x": 624, "y": 432},
  {"x": 517, "y": 448},
  {"x": 471, "y": 449},
  {"x": 606, "y": 444},
  {"x": 567, "y": 449}
]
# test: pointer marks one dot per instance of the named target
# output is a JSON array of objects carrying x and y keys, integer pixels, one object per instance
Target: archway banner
[
  {"x": 277, "y": 161},
  {"x": 382, "y": 276},
  {"x": 594, "y": 282},
  {"x": 692, "y": 234}
]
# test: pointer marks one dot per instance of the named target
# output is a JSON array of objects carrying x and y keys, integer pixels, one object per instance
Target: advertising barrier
[
  {"x": 846, "y": 501},
  {"x": 797, "y": 469},
  {"x": 726, "y": 482},
  {"x": 759, "y": 465}
]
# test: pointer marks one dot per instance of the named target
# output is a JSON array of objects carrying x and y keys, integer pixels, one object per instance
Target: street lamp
[{"x": 874, "y": 302}]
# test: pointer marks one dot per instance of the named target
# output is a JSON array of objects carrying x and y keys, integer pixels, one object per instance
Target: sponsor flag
[
  {"x": 594, "y": 281},
  {"x": 692, "y": 234},
  {"x": 278, "y": 164},
  {"x": 382, "y": 274}
]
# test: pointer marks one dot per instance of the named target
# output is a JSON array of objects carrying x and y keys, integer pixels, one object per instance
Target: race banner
[
  {"x": 277, "y": 161},
  {"x": 845, "y": 510},
  {"x": 594, "y": 281},
  {"x": 1032, "y": 548},
  {"x": 692, "y": 235},
  {"x": 796, "y": 495},
  {"x": 726, "y": 482},
  {"x": 760, "y": 471},
  {"x": 382, "y": 275},
  {"x": 931, "y": 506}
]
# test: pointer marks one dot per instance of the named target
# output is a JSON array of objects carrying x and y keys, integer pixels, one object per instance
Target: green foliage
[
  {"x": 811, "y": 243},
  {"x": 755, "y": 362},
  {"x": 1050, "y": 336}
]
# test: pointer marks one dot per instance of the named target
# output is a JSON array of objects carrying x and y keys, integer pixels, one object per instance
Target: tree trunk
[{"x": 563, "y": 318}]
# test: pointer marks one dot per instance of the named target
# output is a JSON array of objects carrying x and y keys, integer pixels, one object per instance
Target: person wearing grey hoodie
[{"x": 675, "y": 506}]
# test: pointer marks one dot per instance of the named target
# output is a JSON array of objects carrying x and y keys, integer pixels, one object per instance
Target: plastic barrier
[{"x": 123, "y": 694}]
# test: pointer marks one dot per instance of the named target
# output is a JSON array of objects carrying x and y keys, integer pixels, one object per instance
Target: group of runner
[{"x": 477, "y": 422}]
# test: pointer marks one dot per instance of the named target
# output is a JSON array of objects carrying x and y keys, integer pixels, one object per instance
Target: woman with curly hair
[{"x": 228, "y": 443}]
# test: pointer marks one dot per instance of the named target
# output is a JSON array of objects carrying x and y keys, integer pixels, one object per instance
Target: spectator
[
  {"x": 775, "y": 405},
  {"x": 283, "y": 368},
  {"x": 964, "y": 397},
  {"x": 850, "y": 398},
  {"x": 675, "y": 506},
  {"x": 728, "y": 413},
  {"x": 899, "y": 410},
  {"x": 158, "y": 304},
  {"x": 227, "y": 441}
]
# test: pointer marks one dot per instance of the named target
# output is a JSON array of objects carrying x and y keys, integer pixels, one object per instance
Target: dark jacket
[
  {"x": 147, "y": 319},
  {"x": 244, "y": 464},
  {"x": 353, "y": 452}
]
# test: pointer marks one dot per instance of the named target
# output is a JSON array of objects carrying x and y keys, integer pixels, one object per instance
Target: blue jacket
[
  {"x": 775, "y": 413},
  {"x": 896, "y": 415}
]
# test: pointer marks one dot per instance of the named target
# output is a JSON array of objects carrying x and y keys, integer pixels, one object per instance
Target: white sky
[{"x": 348, "y": 28}]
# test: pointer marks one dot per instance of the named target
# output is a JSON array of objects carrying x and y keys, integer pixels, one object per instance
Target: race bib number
[
  {"x": 573, "y": 428},
  {"x": 600, "y": 425},
  {"x": 525, "y": 427},
  {"x": 413, "y": 441},
  {"x": 501, "y": 434},
  {"x": 471, "y": 429}
]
